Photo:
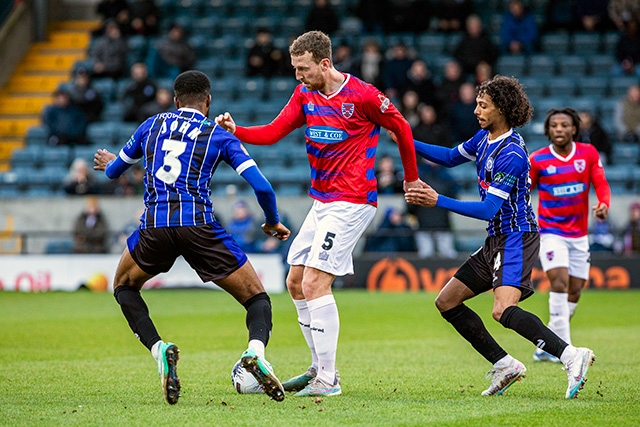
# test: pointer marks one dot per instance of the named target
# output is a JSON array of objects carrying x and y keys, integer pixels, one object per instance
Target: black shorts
[
  {"x": 505, "y": 260},
  {"x": 209, "y": 250}
]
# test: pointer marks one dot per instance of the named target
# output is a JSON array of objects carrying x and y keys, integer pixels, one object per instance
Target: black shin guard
[
  {"x": 136, "y": 312},
  {"x": 259, "y": 317},
  {"x": 529, "y": 326},
  {"x": 470, "y": 326}
]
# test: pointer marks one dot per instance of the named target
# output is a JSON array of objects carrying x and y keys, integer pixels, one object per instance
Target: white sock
[
  {"x": 572, "y": 308},
  {"x": 504, "y": 362},
  {"x": 155, "y": 349},
  {"x": 325, "y": 327},
  {"x": 258, "y": 347},
  {"x": 559, "y": 315},
  {"x": 304, "y": 319},
  {"x": 568, "y": 354}
]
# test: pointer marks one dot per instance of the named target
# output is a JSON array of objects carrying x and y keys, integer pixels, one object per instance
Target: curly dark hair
[
  {"x": 508, "y": 95},
  {"x": 192, "y": 87},
  {"x": 575, "y": 118},
  {"x": 315, "y": 42}
]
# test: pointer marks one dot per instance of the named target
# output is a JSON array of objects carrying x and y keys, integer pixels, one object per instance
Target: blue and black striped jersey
[{"x": 181, "y": 151}]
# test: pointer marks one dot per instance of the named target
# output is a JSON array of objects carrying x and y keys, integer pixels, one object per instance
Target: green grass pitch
[{"x": 70, "y": 359}]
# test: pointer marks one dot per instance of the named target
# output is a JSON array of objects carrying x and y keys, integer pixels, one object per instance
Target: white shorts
[
  {"x": 328, "y": 236},
  {"x": 573, "y": 253}
]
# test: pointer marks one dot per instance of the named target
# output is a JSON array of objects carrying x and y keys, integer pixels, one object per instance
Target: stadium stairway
[{"x": 43, "y": 68}]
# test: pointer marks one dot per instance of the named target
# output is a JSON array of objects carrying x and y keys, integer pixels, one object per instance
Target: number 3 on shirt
[{"x": 172, "y": 167}]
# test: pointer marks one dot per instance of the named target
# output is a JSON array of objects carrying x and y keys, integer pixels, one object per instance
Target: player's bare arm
[
  {"x": 423, "y": 196},
  {"x": 277, "y": 230},
  {"x": 226, "y": 122},
  {"x": 101, "y": 158},
  {"x": 600, "y": 211}
]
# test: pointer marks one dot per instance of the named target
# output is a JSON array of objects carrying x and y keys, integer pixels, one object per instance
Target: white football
[{"x": 243, "y": 381}]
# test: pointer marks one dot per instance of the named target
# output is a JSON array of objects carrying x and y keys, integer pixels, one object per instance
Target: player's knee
[{"x": 497, "y": 313}]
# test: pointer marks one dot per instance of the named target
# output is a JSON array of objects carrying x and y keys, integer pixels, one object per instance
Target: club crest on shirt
[
  {"x": 580, "y": 165},
  {"x": 489, "y": 165},
  {"x": 550, "y": 255},
  {"x": 347, "y": 110},
  {"x": 384, "y": 102}
]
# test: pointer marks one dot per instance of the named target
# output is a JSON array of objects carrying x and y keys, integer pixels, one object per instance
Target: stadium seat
[
  {"x": 123, "y": 132},
  {"x": 430, "y": 43},
  {"x": 37, "y": 135},
  {"x": 137, "y": 45},
  {"x": 511, "y": 65},
  {"x": 600, "y": 65},
  {"x": 586, "y": 103},
  {"x": 561, "y": 86},
  {"x": 534, "y": 86},
  {"x": 620, "y": 85},
  {"x": 542, "y": 65},
  {"x": 625, "y": 153},
  {"x": 101, "y": 133},
  {"x": 253, "y": 88},
  {"x": 593, "y": 85},
  {"x": 572, "y": 65},
  {"x": 555, "y": 43},
  {"x": 27, "y": 157},
  {"x": 113, "y": 112},
  {"x": 609, "y": 42},
  {"x": 58, "y": 157},
  {"x": 106, "y": 88},
  {"x": 206, "y": 25},
  {"x": 585, "y": 43}
]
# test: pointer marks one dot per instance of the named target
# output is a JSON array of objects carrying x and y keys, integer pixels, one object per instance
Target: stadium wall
[{"x": 16, "y": 33}]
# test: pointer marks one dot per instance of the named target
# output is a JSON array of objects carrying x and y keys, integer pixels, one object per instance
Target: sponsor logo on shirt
[
  {"x": 568, "y": 190},
  {"x": 384, "y": 102},
  {"x": 347, "y": 110},
  {"x": 504, "y": 178},
  {"x": 551, "y": 169},
  {"x": 323, "y": 256},
  {"x": 310, "y": 106},
  {"x": 326, "y": 135}
]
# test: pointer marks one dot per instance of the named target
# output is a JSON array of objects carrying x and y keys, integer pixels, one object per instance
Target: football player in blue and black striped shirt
[{"x": 181, "y": 151}]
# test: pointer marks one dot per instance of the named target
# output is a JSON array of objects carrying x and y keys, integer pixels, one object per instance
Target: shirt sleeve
[
  {"x": 290, "y": 118},
  {"x": 599, "y": 180},
  {"x": 509, "y": 167},
  {"x": 381, "y": 111},
  {"x": 533, "y": 172}
]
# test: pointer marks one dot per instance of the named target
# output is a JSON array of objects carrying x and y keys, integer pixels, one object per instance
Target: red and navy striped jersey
[
  {"x": 341, "y": 138},
  {"x": 503, "y": 170},
  {"x": 181, "y": 151},
  {"x": 563, "y": 188}
]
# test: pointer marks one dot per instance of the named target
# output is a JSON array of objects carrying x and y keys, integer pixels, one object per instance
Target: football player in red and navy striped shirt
[
  {"x": 563, "y": 172},
  {"x": 181, "y": 151},
  {"x": 343, "y": 116}
]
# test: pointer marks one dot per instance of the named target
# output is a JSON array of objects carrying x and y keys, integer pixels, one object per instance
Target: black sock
[
  {"x": 531, "y": 327},
  {"x": 259, "y": 317},
  {"x": 470, "y": 326},
  {"x": 137, "y": 314}
]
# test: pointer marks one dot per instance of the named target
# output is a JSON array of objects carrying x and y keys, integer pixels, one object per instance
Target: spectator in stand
[
  {"x": 409, "y": 107},
  {"x": 632, "y": 231},
  {"x": 145, "y": 17},
  {"x": 627, "y": 116},
  {"x": 322, "y": 17},
  {"x": 163, "y": 102},
  {"x": 389, "y": 179},
  {"x": 429, "y": 130},
  {"x": 623, "y": 11},
  {"x": 408, "y": 16},
  {"x": 447, "y": 89},
  {"x": 594, "y": 16},
  {"x": 396, "y": 69},
  {"x": 560, "y": 15},
  {"x": 421, "y": 82},
  {"x": 475, "y": 46},
  {"x": 343, "y": 58},
  {"x": 66, "y": 122},
  {"x": 601, "y": 237},
  {"x": 171, "y": 54},
  {"x": 113, "y": 10},
  {"x": 628, "y": 50},
  {"x": 393, "y": 235},
  {"x": 140, "y": 90},
  {"x": 80, "y": 180},
  {"x": 263, "y": 58},
  {"x": 451, "y": 14},
  {"x": 592, "y": 133},
  {"x": 519, "y": 30},
  {"x": 90, "y": 230},
  {"x": 109, "y": 55},
  {"x": 370, "y": 66},
  {"x": 434, "y": 235},
  {"x": 483, "y": 73},
  {"x": 85, "y": 97},
  {"x": 462, "y": 118},
  {"x": 242, "y": 226}
]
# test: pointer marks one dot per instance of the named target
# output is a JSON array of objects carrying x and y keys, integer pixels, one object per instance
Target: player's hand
[
  {"x": 393, "y": 136},
  {"x": 226, "y": 122},
  {"x": 276, "y": 230},
  {"x": 101, "y": 158},
  {"x": 413, "y": 184},
  {"x": 423, "y": 196},
  {"x": 600, "y": 211}
]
